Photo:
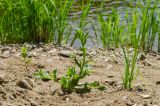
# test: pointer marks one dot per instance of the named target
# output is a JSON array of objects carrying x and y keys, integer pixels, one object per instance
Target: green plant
[
  {"x": 25, "y": 58},
  {"x": 33, "y": 20},
  {"x": 85, "y": 11},
  {"x": 111, "y": 30},
  {"x": 149, "y": 26},
  {"x": 61, "y": 9},
  {"x": 130, "y": 64},
  {"x": 71, "y": 79},
  {"x": 47, "y": 76},
  {"x": 86, "y": 87}
]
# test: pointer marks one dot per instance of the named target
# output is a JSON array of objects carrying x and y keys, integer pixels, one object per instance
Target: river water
[{"x": 99, "y": 6}]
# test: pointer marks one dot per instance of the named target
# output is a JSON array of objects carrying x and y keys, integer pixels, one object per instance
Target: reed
[
  {"x": 111, "y": 30},
  {"x": 149, "y": 26},
  {"x": 85, "y": 8},
  {"x": 33, "y": 20}
]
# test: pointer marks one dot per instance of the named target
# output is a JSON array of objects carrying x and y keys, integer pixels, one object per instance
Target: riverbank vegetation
[{"x": 36, "y": 21}]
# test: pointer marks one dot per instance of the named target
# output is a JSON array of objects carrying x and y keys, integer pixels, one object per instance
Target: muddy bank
[{"x": 106, "y": 66}]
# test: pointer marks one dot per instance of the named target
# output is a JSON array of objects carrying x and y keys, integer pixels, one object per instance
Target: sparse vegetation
[
  {"x": 25, "y": 58},
  {"x": 134, "y": 25}
]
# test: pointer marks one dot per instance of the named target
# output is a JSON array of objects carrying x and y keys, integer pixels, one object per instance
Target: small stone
[
  {"x": 157, "y": 82},
  {"x": 146, "y": 96},
  {"x": 64, "y": 53},
  {"x": 125, "y": 98},
  {"x": 26, "y": 83},
  {"x": 67, "y": 99},
  {"x": 33, "y": 103},
  {"x": 30, "y": 82},
  {"x": 109, "y": 67},
  {"x": 110, "y": 82},
  {"x": 11, "y": 97},
  {"x": 58, "y": 92}
]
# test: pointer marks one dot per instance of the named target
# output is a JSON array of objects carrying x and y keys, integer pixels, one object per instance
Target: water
[{"x": 99, "y": 6}]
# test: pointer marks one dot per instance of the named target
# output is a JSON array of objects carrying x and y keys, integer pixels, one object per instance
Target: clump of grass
[
  {"x": 130, "y": 63},
  {"x": 71, "y": 79},
  {"x": 111, "y": 29},
  {"x": 62, "y": 9},
  {"x": 25, "y": 58},
  {"x": 149, "y": 26},
  {"x": 85, "y": 11},
  {"x": 33, "y": 20}
]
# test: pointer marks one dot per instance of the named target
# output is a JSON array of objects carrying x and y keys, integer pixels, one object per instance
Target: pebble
[
  {"x": 33, "y": 103},
  {"x": 64, "y": 53},
  {"x": 146, "y": 96},
  {"x": 125, "y": 98},
  {"x": 109, "y": 67},
  {"x": 26, "y": 83},
  {"x": 58, "y": 92}
]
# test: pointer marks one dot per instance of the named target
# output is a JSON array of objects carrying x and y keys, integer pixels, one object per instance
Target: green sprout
[
  {"x": 25, "y": 58},
  {"x": 47, "y": 76}
]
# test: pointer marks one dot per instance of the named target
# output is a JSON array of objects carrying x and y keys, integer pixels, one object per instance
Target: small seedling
[
  {"x": 70, "y": 81},
  {"x": 44, "y": 75},
  {"x": 25, "y": 58},
  {"x": 86, "y": 87}
]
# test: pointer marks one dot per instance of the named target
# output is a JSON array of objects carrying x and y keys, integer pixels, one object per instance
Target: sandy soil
[{"x": 106, "y": 67}]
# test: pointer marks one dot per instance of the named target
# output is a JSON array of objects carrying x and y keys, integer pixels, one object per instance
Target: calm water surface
[{"x": 98, "y": 6}]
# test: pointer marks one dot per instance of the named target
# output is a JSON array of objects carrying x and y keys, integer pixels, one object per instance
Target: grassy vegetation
[
  {"x": 70, "y": 81},
  {"x": 33, "y": 20},
  {"x": 37, "y": 21}
]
